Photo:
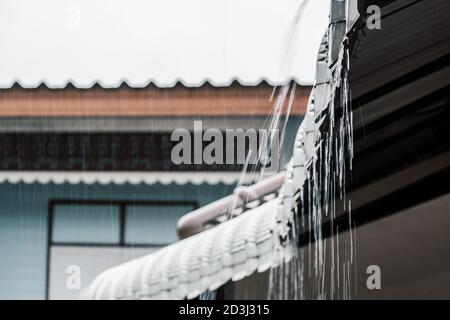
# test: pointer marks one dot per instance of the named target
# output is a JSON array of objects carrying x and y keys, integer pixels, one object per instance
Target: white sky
[{"x": 160, "y": 41}]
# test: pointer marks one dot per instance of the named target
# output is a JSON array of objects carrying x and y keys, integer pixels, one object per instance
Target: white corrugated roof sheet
[
  {"x": 163, "y": 42},
  {"x": 117, "y": 177}
]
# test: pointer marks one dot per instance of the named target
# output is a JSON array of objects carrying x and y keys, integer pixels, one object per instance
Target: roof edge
[{"x": 124, "y": 83}]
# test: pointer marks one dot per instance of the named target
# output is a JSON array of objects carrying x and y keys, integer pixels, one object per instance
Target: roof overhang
[{"x": 119, "y": 178}]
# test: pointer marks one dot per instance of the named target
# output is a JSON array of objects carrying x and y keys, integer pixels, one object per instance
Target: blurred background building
[{"x": 87, "y": 177}]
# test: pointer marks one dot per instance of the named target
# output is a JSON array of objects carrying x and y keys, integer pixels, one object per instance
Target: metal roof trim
[
  {"x": 120, "y": 178},
  {"x": 71, "y": 83}
]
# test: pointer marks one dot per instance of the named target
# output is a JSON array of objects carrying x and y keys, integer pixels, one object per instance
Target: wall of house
[{"x": 24, "y": 212}]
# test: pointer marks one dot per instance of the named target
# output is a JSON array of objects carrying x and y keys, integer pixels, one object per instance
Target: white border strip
[{"x": 121, "y": 177}]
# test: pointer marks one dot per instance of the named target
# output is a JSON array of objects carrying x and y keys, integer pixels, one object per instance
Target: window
[
  {"x": 83, "y": 223},
  {"x": 138, "y": 218},
  {"x": 91, "y": 236}
]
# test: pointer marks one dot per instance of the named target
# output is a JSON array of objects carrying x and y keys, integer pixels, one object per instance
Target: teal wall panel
[{"x": 23, "y": 224}]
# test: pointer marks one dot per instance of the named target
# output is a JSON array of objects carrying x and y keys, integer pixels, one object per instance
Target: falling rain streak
[
  {"x": 314, "y": 266},
  {"x": 321, "y": 268}
]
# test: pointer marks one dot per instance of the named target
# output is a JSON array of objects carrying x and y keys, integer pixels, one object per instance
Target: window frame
[{"x": 122, "y": 205}]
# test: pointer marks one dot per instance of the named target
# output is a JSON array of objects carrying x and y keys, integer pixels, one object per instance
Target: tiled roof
[{"x": 199, "y": 263}]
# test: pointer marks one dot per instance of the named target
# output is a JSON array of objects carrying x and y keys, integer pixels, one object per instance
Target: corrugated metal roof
[
  {"x": 91, "y": 177},
  {"x": 111, "y": 42}
]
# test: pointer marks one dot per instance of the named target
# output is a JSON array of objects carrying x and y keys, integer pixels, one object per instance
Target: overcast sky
[{"x": 162, "y": 41}]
